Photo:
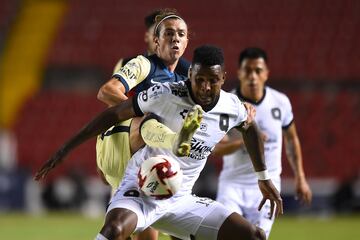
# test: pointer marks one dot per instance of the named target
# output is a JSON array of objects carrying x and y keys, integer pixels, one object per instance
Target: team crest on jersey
[
  {"x": 276, "y": 113},
  {"x": 203, "y": 127}
]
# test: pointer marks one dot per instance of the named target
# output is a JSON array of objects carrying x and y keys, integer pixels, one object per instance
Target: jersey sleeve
[
  {"x": 133, "y": 72},
  {"x": 151, "y": 99},
  {"x": 242, "y": 113},
  {"x": 288, "y": 116}
]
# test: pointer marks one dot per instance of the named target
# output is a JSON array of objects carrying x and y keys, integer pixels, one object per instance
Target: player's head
[
  {"x": 149, "y": 21},
  {"x": 253, "y": 73},
  {"x": 207, "y": 75},
  {"x": 171, "y": 36}
]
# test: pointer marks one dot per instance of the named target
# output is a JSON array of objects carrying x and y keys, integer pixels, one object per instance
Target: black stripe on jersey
[
  {"x": 136, "y": 107},
  {"x": 244, "y": 99},
  {"x": 116, "y": 129},
  {"x": 287, "y": 126},
  {"x": 122, "y": 80}
]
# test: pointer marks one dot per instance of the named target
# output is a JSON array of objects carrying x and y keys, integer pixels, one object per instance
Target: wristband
[{"x": 263, "y": 175}]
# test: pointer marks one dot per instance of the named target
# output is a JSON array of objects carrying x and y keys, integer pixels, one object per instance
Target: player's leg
[
  {"x": 147, "y": 234},
  {"x": 204, "y": 219},
  {"x": 236, "y": 225},
  {"x": 229, "y": 194},
  {"x": 155, "y": 134},
  {"x": 245, "y": 201},
  {"x": 253, "y": 197},
  {"x": 113, "y": 153},
  {"x": 119, "y": 224},
  {"x": 191, "y": 122}
]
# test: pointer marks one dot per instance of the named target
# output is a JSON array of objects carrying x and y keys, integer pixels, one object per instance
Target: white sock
[{"x": 100, "y": 237}]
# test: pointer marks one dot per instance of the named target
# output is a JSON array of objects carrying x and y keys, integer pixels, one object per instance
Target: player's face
[
  {"x": 206, "y": 83},
  {"x": 149, "y": 40},
  {"x": 253, "y": 73},
  {"x": 172, "y": 40}
]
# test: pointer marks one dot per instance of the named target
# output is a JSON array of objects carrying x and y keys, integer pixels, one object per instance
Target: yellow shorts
[{"x": 113, "y": 152}]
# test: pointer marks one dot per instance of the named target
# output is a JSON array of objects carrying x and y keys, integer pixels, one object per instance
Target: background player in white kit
[
  {"x": 237, "y": 188},
  {"x": 183, "y": 215}
]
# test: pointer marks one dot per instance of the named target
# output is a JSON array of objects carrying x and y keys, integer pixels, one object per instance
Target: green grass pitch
[{"x": 61, "y": 226}]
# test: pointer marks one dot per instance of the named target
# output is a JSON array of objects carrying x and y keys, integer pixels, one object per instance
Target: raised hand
[{"x": 251, "y": 111}]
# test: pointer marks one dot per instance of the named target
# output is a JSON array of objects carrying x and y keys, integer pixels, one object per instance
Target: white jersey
[
  {"x": 273, "y": 114},
  {"x": 172, "y": 101}
]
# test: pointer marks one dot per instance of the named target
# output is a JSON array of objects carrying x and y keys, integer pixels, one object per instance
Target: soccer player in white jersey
[
  {"x": 237, "y": 188},
  {"x": 184, "y": 215}
]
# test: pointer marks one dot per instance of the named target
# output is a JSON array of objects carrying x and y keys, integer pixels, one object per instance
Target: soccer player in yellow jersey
[
  {"x": 166, "y": 38},
  {"x": 115, "y": 146}
]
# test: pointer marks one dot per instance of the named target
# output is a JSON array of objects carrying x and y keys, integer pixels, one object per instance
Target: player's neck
[
  {"x": 171, "y": 66},
  {"x": 252, "y": 97}
]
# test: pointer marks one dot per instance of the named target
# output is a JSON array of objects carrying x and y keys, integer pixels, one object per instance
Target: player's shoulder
[
  {"x": 179, "y": 89},
  {"x": 229, "y": 102},
  {"x": 230, "y": 96},
  {"x": 175, "y": 88},
  {"x": 276, "y": 94}
]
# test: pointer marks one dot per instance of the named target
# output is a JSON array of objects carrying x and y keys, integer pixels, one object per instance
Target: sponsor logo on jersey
[
  {"x": 199, "y": 150},
  {"x": 128, "y": 71},
  {"x": 205, "y": 201},
  {"x": 153, "y": 81},
  {"x": 180, "y": 92}
]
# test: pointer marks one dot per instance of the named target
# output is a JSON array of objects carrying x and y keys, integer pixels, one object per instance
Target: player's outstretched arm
[
  {"x": 227, "y": 146},
  {"x": 255, "y": 147},
  {"x": 99, "y": 124}
]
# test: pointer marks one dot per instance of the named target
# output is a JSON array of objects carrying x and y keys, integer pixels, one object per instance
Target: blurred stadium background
[{"x": 54, "y": 55}]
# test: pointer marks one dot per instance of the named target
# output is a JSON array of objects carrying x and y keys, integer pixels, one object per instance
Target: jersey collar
[{"x": 241, "y": 97}]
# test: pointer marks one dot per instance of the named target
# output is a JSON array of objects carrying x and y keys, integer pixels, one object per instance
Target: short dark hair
[
  {"x": 252, "y": 53},
  {"x": 208, "y": 55},
  {"x": 149, "y": 20}
]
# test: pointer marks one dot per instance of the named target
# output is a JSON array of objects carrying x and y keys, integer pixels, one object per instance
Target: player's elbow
[
  {"x": 105, "y": 91},
  {"x": 100, "y": 95}
]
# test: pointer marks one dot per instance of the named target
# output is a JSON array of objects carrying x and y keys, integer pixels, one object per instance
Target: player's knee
[
  {"x": 259, "y": 234},
  {"x": 113, "y": 230},
  {"x": 256, "y": 233}
]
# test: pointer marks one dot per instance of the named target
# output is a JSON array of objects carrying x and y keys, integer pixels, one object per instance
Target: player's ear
[
  {"x": 190, "y": 72},
  {"x": 156, "y": 40},
  {"x": 267, "y": 74}
]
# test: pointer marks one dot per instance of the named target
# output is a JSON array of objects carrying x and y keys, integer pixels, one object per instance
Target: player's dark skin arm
[
  {"x": 255, "y": 147},
  {"x": 99, "y": 124}
]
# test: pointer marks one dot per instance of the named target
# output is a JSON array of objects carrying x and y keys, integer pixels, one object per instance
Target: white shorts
[
  {"x": 185, "y": 217},
  {"x": 245, "y": 200}
]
